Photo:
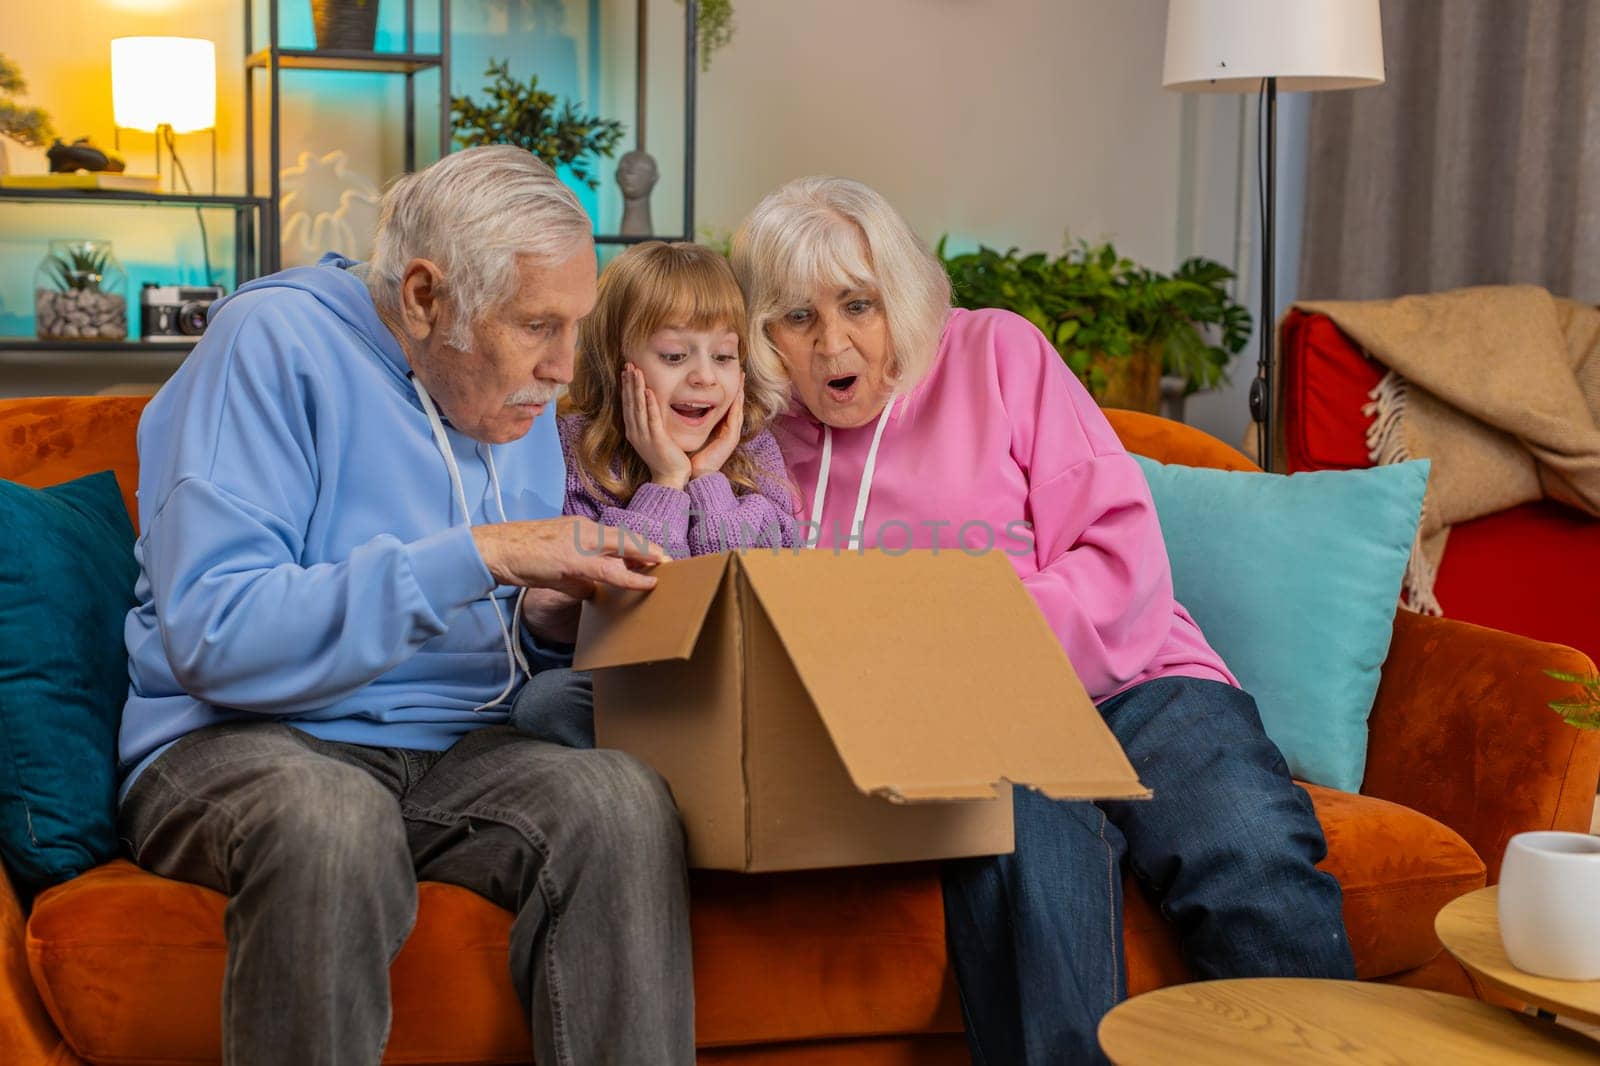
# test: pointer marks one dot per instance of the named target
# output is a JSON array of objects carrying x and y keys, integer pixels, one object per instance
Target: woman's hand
[
  {"x": 724, "y": 439},
  {"x": 570, "y": 555},
  {"x": 647, "y": 432}
]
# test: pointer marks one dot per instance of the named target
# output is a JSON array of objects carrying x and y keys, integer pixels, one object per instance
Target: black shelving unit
[
  {"x": 254, "y": 223},
  {"x": 273, "y": 60},
  {"x": 691, "y": 70},
  {"x": 255, "y": 253}
]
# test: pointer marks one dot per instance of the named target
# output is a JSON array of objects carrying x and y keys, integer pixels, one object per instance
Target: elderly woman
[{"x": 955, "y": 425}]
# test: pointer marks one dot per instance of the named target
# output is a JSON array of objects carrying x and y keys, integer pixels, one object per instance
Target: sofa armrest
[
  {"x": 1461, "y": 731},
  {"x": 27, "y": 1034}
]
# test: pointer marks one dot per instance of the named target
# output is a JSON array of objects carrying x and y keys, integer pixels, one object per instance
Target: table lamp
[{"x": 165, "y": 86}]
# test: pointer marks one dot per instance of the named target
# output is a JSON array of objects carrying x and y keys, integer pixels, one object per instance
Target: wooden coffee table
[
  {"x": 1470, "y": 930},
  {"x": 1304, "y": 1023}
]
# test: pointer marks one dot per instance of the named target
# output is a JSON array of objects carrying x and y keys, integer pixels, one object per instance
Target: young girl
[{"x": 664, "y": 433}]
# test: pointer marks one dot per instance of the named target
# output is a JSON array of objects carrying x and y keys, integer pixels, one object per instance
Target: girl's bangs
[{"x": 694, "y": 295}]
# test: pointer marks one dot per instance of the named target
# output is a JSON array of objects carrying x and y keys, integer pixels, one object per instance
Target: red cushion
[
  {"x": 1532, "y": 570},
  {"x": 1326, "y": 382}
]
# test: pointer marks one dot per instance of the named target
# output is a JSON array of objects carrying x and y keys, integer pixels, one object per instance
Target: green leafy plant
[
  {"x": 1583, "y": 711},
  {"x": 81, "y": 269},
  {"x": 28, "y": 125},
  {"x": 1090, "y": 301},
  {"x": 713, "y": 21},
  {"x": 528, "y": 117}
]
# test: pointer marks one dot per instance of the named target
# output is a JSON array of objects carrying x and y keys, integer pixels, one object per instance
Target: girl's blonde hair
[
  {"x": 843, "y": 234},
  {"x": 653, "y": 286}
]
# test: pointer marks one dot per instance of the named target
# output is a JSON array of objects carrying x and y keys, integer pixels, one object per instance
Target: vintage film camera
[{"x": 175, "y": 313}]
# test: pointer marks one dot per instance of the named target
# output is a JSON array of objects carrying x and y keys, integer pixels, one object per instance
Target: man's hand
[
  {"x": 570, "y": 555},
  {"x": 646, "y": 431},
  {"x": 551, "y": 616}
]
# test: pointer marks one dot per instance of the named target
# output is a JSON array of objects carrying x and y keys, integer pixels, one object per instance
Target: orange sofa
[{"x": 823, "y": 968}]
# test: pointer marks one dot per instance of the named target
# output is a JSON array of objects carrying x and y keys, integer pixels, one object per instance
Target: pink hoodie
[{"x": 999, "y": 433}]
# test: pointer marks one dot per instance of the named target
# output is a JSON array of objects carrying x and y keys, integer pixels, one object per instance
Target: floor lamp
[{"x": 1264, "y": 46}]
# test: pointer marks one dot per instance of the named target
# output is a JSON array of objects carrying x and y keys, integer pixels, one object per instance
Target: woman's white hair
[
  {"x": 473, "y": 214},
  {"x": 837, "y": 232}
]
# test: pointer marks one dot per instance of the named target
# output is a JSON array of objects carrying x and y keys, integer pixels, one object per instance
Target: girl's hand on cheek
[
  {"x": 724, "y": 439},
  {"x": 646, "y": 431}
]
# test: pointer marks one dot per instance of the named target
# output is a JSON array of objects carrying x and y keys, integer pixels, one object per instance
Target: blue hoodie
[{"x": 302, "y": 555}]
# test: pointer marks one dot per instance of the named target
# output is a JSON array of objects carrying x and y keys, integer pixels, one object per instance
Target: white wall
[{"x": 1002, "y": 121}]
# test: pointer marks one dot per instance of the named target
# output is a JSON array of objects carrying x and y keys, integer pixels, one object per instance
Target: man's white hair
[
  {"x": 473, "y": 214},
  {"x": 841, "y": 233}
]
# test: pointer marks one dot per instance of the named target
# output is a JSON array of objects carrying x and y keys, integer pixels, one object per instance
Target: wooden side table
[
  {"x": 1469, "y": 927},
  {"x": 1306, "y": 1023}
]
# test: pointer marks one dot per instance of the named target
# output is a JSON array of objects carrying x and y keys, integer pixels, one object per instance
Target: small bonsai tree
[
  {"x": 26, "y": 125},
  {"x": 526, "y": 116}
]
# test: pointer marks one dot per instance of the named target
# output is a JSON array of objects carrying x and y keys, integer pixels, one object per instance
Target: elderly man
[{"x": 351, "y": 557}]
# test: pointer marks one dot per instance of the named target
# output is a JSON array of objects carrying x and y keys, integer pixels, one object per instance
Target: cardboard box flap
[
  {"x": 619, "y": 628},
  {"x": 935, "y": 673}
]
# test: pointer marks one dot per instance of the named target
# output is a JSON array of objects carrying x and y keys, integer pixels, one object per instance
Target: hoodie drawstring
[
  {"x": 858, "y": 522},
  {"x": 514, "y": 657}
]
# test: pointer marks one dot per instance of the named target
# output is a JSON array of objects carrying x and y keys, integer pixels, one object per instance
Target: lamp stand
[
  {"x": 160, "y": 135},
  {"x": 1261, "y": 389}
]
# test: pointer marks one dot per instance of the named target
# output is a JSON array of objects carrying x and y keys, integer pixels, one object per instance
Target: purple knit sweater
[{"x": 705, "y": 518}]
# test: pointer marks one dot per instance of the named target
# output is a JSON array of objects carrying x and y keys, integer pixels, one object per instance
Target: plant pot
[
  {"x": 1132, "y": 382},
  {"x": 345, "y": 25},
  {"x": 73, "y": 300}
]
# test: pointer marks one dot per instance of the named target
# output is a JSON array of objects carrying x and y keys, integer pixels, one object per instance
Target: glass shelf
[
  {"x": 178, "y": 349},
  {"x": 130, "y": 196},
  {"x": 331, "y": 59}
]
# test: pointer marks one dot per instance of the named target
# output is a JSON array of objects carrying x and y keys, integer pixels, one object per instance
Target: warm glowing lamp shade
[{"x": 164, "y": 81}]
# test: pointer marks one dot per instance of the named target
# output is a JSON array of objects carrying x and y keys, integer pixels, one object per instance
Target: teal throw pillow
[
  {"x": 66, "y": 584},
  {"x": 1294, "y": 581}
]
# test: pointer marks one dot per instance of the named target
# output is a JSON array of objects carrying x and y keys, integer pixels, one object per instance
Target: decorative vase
[
  {"x": 80, "y": 292},
  {"x": 345, "y": 25},
  {"x": 1548, "y": 921},
  {"x": 1132, "y": 382}
]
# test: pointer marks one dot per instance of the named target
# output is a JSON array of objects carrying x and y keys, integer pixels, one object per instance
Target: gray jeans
[{"x": 319, "y": 847}]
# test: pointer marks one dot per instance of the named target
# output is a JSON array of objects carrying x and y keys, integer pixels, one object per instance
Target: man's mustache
[{"x": 541, "y": 394}]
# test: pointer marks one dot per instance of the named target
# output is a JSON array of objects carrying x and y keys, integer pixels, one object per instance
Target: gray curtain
[{"x": 1477, "y": 162}]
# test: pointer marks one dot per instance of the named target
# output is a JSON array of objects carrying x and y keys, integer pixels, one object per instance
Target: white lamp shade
[
  {"x": 1228, "y": 46},
  {"x": 164, "y": 81}
]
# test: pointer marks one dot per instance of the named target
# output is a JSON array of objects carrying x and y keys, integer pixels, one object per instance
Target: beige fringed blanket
[{"x": 1499, "y": 386}]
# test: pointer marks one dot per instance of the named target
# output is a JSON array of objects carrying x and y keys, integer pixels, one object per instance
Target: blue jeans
[
  {"x": 1228, "y": 846},
  {"x": 557, "y": 706}
]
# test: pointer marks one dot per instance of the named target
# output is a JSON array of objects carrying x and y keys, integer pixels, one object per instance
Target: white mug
[{"x": 1550, "y": 904}]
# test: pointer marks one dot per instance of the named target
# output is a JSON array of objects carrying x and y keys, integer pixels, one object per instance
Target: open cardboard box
[{"x": 815, "y": 709}]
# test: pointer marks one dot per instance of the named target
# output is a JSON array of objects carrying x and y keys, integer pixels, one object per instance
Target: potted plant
[
  {"x": 713, "y": 20},
  {"x": 1118, "y": 325},
  {"x": 526, "y": 116},
  {"x": 80, "y": 293},
  {"x": 25, "y": 125},
  {"x": 1584, "y": 710},
  {"x": 345, "y": 25}
]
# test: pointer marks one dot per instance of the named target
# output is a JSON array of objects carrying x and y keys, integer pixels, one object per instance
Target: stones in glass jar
[{"x": 81, "y": 314}]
